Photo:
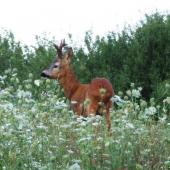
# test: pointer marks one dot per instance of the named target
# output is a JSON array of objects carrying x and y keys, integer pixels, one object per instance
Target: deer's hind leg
[
  {"x": 107, "y": 107},
  {"x": 92, "y": 107}
]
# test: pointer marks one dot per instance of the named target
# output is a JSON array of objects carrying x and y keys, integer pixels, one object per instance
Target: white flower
[
  {"x": 29, "y": 100},
  {"x": 20, "y": 126},
  {"x": 70, "y": 151},
  {"x": 118, "y": 100},
  {"x": 22, "y": 93},
  {"x": 95, "y": 124},
  {"x": 14, "y": 74},
  {"x": 140, "y": 88},
  {"x": 7, "y": 107},
  {"x": 100, "y": 139},
  {"x": 60, "y": 102},
  {"x": 162, "y": 119},
  {"x": 135, "y": 93},
  {"x": 2, "y": 82},
  {"x": 164, "y": 109},
  {"x": 150, "y": 111},
  {"x": 167, "y": 163},
  {"x": 168, "y": 100},
  {"x": 74, "y": 167},
  {"x": 132, "y": 84},
  {"x": 76, "y": 160},
  {"x": 17, "y": 80},
  {"x": 107, "y": 144},
  {"x": 4, "y": 94},
  {"x": 126, "y": 111},
  {"x": 3, "y": 77},
  {"x": 37, "y": 82},
  {"x": 128, "y": 93},
  {"x": 130, "y": 125},
  {"x": 73, "y": 102}
]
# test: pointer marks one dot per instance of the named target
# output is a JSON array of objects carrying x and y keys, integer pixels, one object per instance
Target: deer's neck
[{"x": 69, "y": 82}]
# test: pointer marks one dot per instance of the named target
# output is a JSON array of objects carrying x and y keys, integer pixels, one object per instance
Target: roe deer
[{"x": 61, "y": 69}]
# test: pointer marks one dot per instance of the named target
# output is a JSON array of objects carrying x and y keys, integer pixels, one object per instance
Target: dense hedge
[{"x": 140, "y": 55}]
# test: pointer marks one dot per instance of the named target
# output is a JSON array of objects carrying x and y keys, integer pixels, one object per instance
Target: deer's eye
[{"x": 55, "y": 66}]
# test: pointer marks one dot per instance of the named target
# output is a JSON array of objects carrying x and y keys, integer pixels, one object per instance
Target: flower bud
[
  {"x": 52, "y": 158},
  {"x": 29, "y": 86},
  {"x": 120, "y": 93},
  {"x": 158, "y": 107},
  {"x": 168, "y": 100},
  {"x": 152, "y": 103},
  {"x": 128, "y": 93},
  {"x": 48, "y": 81},
  {"x": 132, "y": 84},
  {"x": 7, "y": 71},
  {"x": 139, "y": 167},
  {"x": 131, "y": 106},
  {"x": 152, "y": 100},
  {"x": 30, "y": 75},
  {"x": 48, "y": 87},
  {"x": 125, "y": 98},
  {"x": 55, "y": 97},
  {"x": 44, "y": 115},
  {"x": 120, "y": 111},
  {"x": 52, "y": 110},
  {"x": 143, "y": 104},
  {"x": 104, "y": 112},
  {"x": 20, "y": 102},
  {"x": 87, "y": 102},
  {"x": 64, "y": 111},
  {"x": 12, "y": 79},
  {"x": 167, "y": 86},
  {"x": 20, "y": 87},
  {"x": 102, "y": 92},
  {"x": 58, "y": 90},
  {"x": 83, "y": 131},
  {"x": 14, "y": 70}
]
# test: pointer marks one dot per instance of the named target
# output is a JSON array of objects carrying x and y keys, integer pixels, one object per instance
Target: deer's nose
[{"x": 44, "y": 75}]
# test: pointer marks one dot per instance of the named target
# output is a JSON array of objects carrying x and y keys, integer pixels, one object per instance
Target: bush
[{"x": 140, "y": 55}]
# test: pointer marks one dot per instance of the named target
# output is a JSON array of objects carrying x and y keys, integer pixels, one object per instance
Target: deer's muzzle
[{"x": 44, "y": 75}]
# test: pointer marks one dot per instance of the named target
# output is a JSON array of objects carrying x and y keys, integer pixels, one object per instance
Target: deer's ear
[{"x": 68, "y": 54}]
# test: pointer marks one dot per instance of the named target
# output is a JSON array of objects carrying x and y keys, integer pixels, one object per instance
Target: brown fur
[{"x": 79, "y": 92}]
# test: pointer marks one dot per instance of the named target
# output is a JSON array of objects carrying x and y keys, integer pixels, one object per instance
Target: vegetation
[
  {"x": 37, "y": 126},
  {"x": 38, "y": 131},
  {"x": 140, "y": 55}
]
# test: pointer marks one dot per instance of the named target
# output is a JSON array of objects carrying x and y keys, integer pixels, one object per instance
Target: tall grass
[{"x": 37, "y": 130}]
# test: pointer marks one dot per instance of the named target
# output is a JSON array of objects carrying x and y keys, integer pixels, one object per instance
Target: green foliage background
[{"x": 140, "y": 55}]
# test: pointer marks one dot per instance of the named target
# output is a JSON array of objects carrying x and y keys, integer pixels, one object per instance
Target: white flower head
[
  {"x": 132, "y": 84},
  {"x": 73, "y": 102},
  {"x": 130, "y": 125},
  {"x": 140, "y": 88},
  {"x": 22, "y": 93},
  {"x": 15, "y": 74},
  {"x": 128, "y": 93},
  {"x": 150, "y": 111},
  {"x": 136, "y": 93},
  {"x": 37, "y": 82},
  {"x": 4, "y": 94},
  {"x": 3, "y": 77},
  {"x": 75, "y": 167}
]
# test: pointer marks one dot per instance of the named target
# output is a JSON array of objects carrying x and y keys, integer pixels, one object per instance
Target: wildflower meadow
[{"x": 39, "y": 131}]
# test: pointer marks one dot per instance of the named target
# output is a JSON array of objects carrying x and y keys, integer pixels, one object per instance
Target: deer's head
[{"x": 59, "y": 64}]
